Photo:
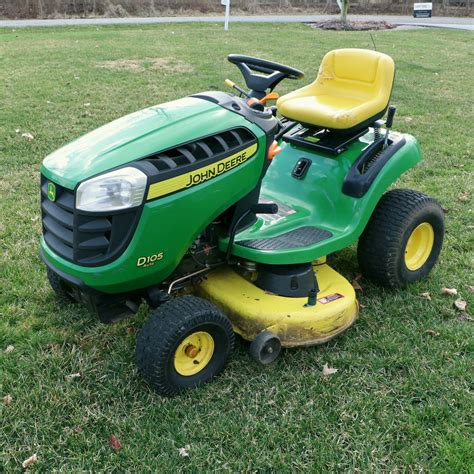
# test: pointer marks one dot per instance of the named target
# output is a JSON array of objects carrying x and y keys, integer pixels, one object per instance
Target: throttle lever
[{"x": 233, "y": 85}]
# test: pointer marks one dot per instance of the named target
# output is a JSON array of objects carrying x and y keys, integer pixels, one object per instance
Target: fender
[{"x": 321, "y": 200}]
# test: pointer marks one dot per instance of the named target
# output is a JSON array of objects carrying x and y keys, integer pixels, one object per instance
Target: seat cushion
[
  {"x": 353, "y": 86},
  {"x": 324, "y": 111}
]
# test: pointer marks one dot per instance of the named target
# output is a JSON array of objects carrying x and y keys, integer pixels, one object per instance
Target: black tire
[
  {"x": 382, "y": 246},
  {"x": 165, "y": 330},
  {"x": 58, "y": 286},
  {"x": 265, "y": 348}
]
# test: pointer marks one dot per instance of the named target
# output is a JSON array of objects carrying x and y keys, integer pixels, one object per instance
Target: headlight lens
[{"x": 120, "y": 189}]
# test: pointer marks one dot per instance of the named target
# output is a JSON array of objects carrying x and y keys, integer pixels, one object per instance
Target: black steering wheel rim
[
  {"x": 265, "y": 66},
  {"x": 258, "y": 84}
]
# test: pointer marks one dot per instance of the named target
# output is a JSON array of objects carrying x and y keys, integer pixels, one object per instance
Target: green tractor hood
[{"x": 135, "y": 136}]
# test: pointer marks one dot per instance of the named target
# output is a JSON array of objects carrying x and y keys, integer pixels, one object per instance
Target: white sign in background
[
  {"x": 226, "y": 3},
  {"x": 420, "y": 6}
]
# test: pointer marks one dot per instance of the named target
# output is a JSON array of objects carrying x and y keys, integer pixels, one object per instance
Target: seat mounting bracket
[{"x": 321, "y": 139}]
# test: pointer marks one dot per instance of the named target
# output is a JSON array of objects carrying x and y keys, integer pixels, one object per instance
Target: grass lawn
[{"x": 402, "y": 397}]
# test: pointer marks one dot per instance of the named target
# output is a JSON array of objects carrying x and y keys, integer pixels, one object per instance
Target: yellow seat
[{"x": 352, "y": 90}]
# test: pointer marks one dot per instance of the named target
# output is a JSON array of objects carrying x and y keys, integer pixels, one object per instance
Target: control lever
[
  {"x": 388, "y": 124},
  {"x": 270, "y": 96},
  {"x": 260, "y": 208},
  {"x": 233, "y": 85},
  {"x": 265, "y": 208}
]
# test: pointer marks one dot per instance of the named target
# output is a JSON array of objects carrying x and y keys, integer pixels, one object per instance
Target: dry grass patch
[{"x": 168, "y": 65}]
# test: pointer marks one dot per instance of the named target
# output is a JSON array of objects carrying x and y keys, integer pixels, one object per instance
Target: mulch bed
[{"x": 352, "y": 25}]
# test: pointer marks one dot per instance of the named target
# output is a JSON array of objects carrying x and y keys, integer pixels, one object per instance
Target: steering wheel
[{"x": 257, "y": 83}]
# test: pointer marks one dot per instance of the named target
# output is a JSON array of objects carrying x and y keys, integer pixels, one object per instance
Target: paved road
[{"x": 438, "y": 22}]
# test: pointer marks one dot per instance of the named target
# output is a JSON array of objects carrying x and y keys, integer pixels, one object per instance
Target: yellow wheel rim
[
  {"x": 419, "y": 246},
  {"x": 194, "y": 353}
]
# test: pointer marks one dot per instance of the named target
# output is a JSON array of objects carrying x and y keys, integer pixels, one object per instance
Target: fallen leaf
[
  {"x": 115, "y": 443},
  {"x": 28, "y": 136},
  {"x": 463, "y": 316},
  {"x": 449, "y": 291},
  {"x": 470, "y": 288},
  {"x": 362, "y": 306},
  {"x": 184, "y": 452},
  {"x": 17, "y": 130},
  {"x": 9, "y": 349},
  {"x": 464, "y": 197},
  {"x": 328, "y": 370},
  {"x": 460, "y": 304},
  {"x": 31, "y": 460},
  {"x": 7, "y": 399},
  {"x": 355, "y": 282},
  {"x": 77, "y": 429},
  {"x": 432, "y": 333},
  {"x": 426, "y": 294},
  {"x": 445, "y": 210},
  {"x": 72, "y": 376}
]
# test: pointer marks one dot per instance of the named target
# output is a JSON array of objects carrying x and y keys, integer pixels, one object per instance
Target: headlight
[{"x": 119, "y": 189}]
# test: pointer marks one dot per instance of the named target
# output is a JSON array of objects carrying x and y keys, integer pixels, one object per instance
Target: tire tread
[
  {"x": 379, "y": 246},
  {"x": 165, "y": 325}
]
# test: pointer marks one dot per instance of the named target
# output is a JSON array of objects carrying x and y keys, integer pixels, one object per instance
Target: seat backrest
[{"x": 357, "y": 73}]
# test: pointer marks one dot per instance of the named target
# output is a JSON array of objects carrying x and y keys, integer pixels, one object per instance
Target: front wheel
[
  {"x": 58, "y": 286},
  {"x": 185, "y": 343},
  {"x": 403, "y": 238}
]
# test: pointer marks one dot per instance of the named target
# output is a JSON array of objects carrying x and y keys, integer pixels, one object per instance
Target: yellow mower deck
[{"x": 251, "y": 310}]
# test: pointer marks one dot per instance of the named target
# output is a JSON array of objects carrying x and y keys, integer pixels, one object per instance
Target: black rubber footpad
[{"x": 302, "y": 237}]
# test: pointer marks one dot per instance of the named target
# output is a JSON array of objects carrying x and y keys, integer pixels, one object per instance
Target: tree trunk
[
  {"x": 343, "y": 6},
  {"x": 344, "y": 9}
]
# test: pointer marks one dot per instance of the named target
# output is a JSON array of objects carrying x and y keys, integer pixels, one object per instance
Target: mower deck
[{"x": 251, "y": 310}]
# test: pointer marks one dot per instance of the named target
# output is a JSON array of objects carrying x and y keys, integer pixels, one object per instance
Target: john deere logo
[{"x": 51, "y": 191}]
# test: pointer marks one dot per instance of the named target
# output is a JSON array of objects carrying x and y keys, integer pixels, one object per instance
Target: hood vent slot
[{"x": 202, "y": 151}]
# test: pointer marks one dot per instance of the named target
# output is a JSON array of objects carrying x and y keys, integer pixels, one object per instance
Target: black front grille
[
  {"x": 85, "y": 238},
  {"x": 201, "y": 152}
]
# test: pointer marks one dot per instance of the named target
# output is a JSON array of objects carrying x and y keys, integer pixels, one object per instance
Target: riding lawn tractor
[{"x": 219, "y": 211}]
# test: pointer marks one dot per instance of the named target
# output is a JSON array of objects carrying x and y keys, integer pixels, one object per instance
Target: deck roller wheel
[{"x": 265, "y": 348}]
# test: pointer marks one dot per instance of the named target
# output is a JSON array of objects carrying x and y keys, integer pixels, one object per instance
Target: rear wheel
[
  {"x": 185, "y": 343},
  {"x": 403, "y": 238}
]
